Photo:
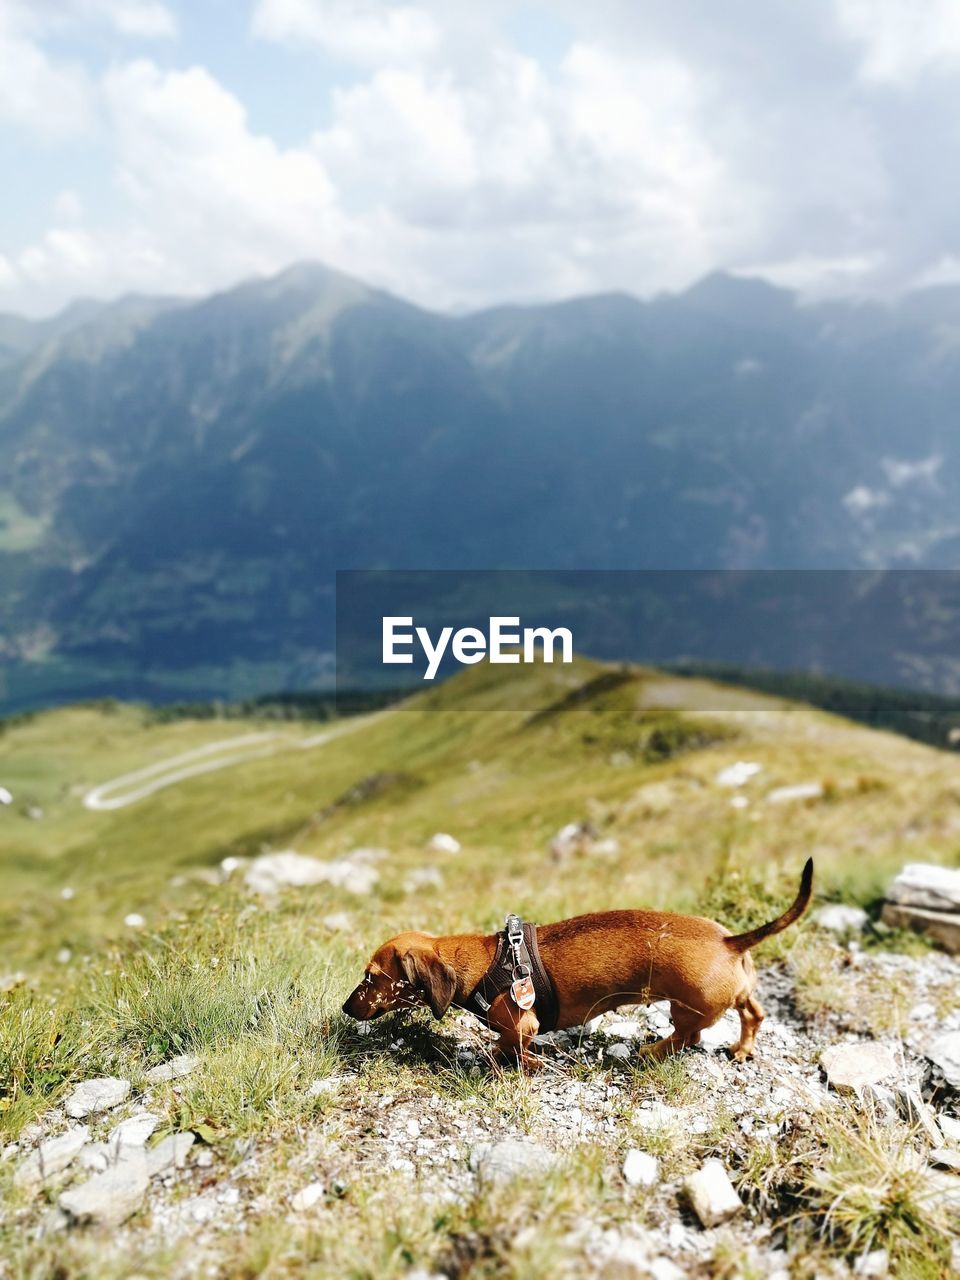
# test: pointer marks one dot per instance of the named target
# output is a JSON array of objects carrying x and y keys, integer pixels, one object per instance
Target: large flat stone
[
  {"x": 852, "y": 1067},
  {"x": 941, "y": 925},
  {"x": 924, "y": 884},
  {"x": 109, "y": 1198},
  {"x": 169, "y": 1153},
  {"x": 132, "y": 1132},
  {"x": 91, "y": 1096},
  {"x": 944, "y": 1053},
  {"x": 52, "y": 1157}
]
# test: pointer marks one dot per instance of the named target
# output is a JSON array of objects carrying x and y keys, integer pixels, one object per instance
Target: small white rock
[
  {"x": 735, "y": 775},
  {"x": 307, "y": 1197},
  {"x": 623, "y": 1030},
  {"x": 66, "y": 893},
  {"x": 328, "y": 1084},
  {"x": 619, "y": 1051},
  {"x": 102, "y": 1094},
  {"x": 712, "y": 1194},
  {"x": 663, "y": 1269},
  {"x": 722, "y": 1033},
  {"x": 337, "y": 922},
  {"x": 173, "y": 1069},
  {"x": 799, "y": 791},
  {"x": 134, "y": 1131},
  {"x": 640, "y": 1169},
  {"x": 872, "y": 1266},
  {"x": 134, "y": 920},
  {"x": 443, "y": 842},
  {"x": 841, "y": 919},
  {"x": 656, "y": 1115}
]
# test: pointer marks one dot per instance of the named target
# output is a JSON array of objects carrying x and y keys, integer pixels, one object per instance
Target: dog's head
[{"x": 403, "y": 973}]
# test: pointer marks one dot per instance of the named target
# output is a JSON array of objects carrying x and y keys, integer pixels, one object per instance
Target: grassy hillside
[
  {"x": 503, "y": 763},
  {"x": 254, "y": 986}
]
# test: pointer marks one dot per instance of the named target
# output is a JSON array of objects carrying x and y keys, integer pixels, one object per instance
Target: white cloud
[
  {"x": 54, "y": 95},
  {"x": 459, "y": 160},
  {"x": 501, "y": 181},
  {"x": 862, "y": 500},
  {"x": 817, "y": 276},
  {"x": 63, "y": 253},
  {"x": 68, "y": 205},
  {"x": 366, "y": 32},
  {"x": 901, "y": 39},
  {"x": 51, "y": 97},
  {"x": 145, "y": 18},
  {"x": 945, "y": 270},
  {"x": 186, "y": 155},
  {"x": 210, "y": 199},
  {"x": 901, "y": 471}
]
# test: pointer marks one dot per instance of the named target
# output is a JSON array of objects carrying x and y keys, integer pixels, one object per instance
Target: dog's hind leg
[
  {"x": 751, "y": 1015},
  {"x": 687, "y": 1025}
]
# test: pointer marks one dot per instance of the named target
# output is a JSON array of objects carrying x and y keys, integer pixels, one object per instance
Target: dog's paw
[{"x": 740, "y": 1055}]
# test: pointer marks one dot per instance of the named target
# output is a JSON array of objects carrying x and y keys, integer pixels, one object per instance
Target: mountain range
[{"x": 179, "y": 479}]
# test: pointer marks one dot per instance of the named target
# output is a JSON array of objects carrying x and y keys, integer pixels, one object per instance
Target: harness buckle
[{"x": 514, "y": 931}]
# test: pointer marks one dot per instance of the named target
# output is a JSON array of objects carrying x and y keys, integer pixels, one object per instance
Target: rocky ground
[{"x": 684, "y": 1145}]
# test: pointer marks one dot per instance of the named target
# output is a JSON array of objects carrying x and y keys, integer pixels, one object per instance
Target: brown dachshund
[{"x": 596, "y": 962}]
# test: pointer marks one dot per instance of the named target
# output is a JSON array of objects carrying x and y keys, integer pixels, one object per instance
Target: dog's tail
[{"x": 744, "y": 941}]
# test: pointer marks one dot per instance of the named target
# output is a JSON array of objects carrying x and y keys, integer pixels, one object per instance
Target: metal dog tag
[{"x": 523, "y": 992}]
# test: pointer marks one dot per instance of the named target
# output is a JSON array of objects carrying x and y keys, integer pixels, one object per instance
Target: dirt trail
[{"x": 209, "y": 759}]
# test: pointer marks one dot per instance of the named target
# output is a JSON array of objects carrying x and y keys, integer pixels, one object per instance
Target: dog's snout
[{"x": 348, "y": 1004}]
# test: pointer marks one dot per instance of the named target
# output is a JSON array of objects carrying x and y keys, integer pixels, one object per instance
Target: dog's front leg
[{"x": 517, "y": 1027}]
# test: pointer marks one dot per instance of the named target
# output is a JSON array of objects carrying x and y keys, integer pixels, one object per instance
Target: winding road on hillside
[{"x": 225, "y": 754}]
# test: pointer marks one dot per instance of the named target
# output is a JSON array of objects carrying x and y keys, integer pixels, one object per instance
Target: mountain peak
[{"x": 746, "y": 300}]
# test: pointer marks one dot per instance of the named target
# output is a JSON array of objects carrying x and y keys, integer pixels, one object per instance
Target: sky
[{"x": 464, "y": 153}]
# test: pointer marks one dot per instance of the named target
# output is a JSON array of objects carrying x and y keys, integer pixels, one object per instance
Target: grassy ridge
[
  {"x": 927, "y": 717},
  {"x": 502, "y": 763}
]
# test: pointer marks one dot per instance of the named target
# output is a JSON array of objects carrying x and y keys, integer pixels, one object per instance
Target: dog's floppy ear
[{"x": 432, "y": 977}]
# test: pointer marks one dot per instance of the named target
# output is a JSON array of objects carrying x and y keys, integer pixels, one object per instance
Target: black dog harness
[{"x": 517, "y": 968}]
